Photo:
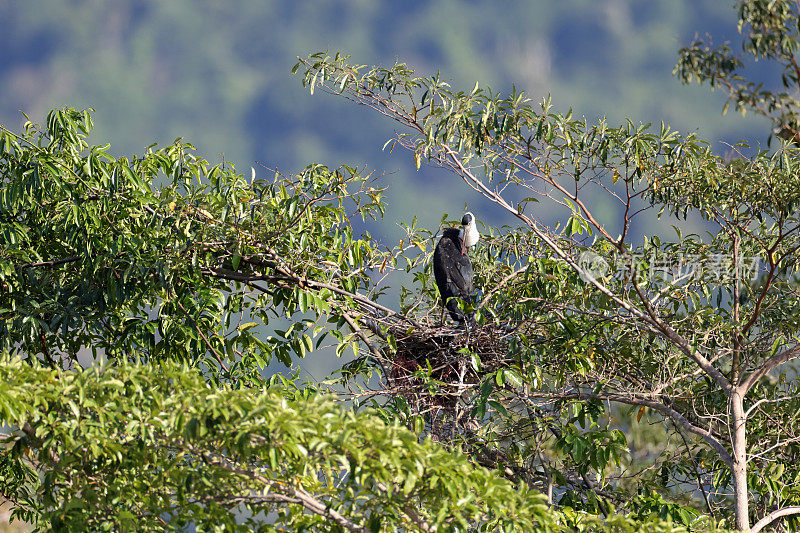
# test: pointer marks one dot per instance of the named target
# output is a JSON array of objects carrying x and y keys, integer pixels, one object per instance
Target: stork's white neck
[{"x": 471, "y": 236}]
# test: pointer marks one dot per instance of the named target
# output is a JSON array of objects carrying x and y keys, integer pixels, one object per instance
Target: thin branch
[
  {"x": 502, "y": 283},
  {"x": 301, "y": 496},
  {"x": 217, "y": 356},
  {"x": 666, "y": 410},
  {"x": 52, "y": 263},
  {"x": 304, "y": 283},
  {"x": 360, "y": 332},
  {"x": 693, "y": 462}
]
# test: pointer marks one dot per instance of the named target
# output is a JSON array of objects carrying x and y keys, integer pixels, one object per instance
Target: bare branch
[
  {"x": 53, "y": 263},
  {"x": 768, "y": 365},
  {"x": 774, "y": 515}
]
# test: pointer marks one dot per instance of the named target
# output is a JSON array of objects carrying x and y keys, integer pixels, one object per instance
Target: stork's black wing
[
  {"x": 460, "y": 272},
  {"x": 453, "y": 272}
]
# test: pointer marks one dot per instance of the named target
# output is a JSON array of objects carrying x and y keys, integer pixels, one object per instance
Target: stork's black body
[{"x": 453, "y": 272}]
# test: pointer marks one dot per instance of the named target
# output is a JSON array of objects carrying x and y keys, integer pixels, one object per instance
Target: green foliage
[
  {"x": 587, "y": 333},
  {"x": 163, "y": 258},
  {"x": 769, "y": 32},
  {"x": 589, "y": 319},
  {"x": 148, "y": 256},
  {"x": 145, "y": 448}
]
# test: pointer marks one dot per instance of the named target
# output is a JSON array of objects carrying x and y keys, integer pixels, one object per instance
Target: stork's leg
[{"x": 441, "y": 319}]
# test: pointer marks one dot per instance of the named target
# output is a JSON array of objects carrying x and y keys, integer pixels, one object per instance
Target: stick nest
[{"x": 436, "y": 364}]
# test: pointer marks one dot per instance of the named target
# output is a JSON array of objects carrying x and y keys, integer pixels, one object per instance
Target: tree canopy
[
  {"x": 612, "y": 380},
  {"x": 175, "y": 423}
]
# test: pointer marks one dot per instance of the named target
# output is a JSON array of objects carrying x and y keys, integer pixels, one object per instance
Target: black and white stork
[{"x": 452, "y": 268}]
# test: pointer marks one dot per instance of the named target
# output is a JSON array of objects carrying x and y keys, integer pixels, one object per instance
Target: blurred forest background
[{"x": 216, "y": 73}]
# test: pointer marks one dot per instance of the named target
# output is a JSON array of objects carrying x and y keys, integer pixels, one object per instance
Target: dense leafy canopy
[
  {"x": 143, "y": 447},
  {"x": 144, "y": 257},
  {"x": 612, "y": 380},
  {"x": 153, "y": 260}
]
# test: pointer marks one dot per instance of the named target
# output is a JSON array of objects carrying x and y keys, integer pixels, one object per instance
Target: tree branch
[
  {"x": 299, "y": 281},
  {"x": 296, "y": 495},
  {"x": 666, "y": 410},
  {"x": 53, "y": 263},
  {"x": 768, "y": 365},
  {"x": 651, "y": 319},
  {"x": 774, "y": 515},
  {"x": 502, "y": 282}
]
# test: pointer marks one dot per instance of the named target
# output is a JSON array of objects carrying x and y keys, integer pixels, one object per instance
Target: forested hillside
[{"x": 216, "y": 73}]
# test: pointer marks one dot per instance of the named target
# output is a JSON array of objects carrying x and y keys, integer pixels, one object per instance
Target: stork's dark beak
[{"x": 463, "y": 245}]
